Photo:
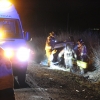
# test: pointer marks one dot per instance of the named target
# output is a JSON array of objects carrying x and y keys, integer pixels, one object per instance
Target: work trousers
[
  {"x": 85, "y": 59},
  {"x": 48, "y": 53},
  {"x": 69, "y": 64}
]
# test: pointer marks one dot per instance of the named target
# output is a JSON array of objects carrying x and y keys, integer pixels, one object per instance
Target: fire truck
[{"x": 14, "y": 40}]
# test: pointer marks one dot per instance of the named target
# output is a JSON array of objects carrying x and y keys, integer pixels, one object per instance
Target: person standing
[
  {"x": 6, "y": 78},
  {"x": 81, "y": 53},
  {"x": 69, "y": 54},
  {"x": 50, "y": 43}
]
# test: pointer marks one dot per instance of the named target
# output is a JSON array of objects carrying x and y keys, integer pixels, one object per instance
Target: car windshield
[{"x": 10, "y": 28}]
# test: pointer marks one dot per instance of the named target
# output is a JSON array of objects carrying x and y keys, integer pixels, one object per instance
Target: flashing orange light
[
  {"x": 5, "y": 3},
  {"x": 1, "y": 35}
]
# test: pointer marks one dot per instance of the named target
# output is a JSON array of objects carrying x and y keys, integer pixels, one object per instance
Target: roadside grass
[
  {"x": 96, "y": 57},
  {"x": 64, "y": 77},
  {"x": 57, "y": 78}
]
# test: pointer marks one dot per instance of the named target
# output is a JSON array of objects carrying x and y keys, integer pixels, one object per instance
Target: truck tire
[{"x": 22, "y": 76}]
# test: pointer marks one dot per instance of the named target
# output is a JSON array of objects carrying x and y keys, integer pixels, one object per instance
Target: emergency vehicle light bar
[{"x": 5, "y": 3}]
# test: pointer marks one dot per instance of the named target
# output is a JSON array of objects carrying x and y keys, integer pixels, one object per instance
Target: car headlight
[
  {"x": 9, "y": 53},
  {"x": 23, "y": 54}
]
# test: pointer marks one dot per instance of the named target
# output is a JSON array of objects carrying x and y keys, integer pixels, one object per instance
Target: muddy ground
[{"x": 54, "y": 84}]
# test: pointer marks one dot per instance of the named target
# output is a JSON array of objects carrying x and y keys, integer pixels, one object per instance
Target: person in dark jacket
[{"x": 81, "y": 53}]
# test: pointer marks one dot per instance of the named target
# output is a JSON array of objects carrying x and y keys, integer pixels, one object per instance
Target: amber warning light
[{"x": 5, "y": 3}]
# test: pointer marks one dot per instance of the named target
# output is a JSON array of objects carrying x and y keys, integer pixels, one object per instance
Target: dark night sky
[{"x": 58, "y": 14}]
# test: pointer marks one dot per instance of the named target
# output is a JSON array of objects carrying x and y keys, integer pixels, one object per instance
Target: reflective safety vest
[
  {"x": 68, "y": 53},
  {"x": 50, "y": 43},
  {"x": 6, "y": 74}
]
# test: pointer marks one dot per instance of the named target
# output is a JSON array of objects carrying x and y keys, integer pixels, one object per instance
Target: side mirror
[{"x": 27, "y": 36}]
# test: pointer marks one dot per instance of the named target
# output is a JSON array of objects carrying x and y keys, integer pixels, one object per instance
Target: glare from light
[
  {"x": 23, "y": 54},
  {"x": 4, "y": 4},
  {"x": 9, "y": 53},
  {"x": 1, "y": 34},
  {"x": 55, "y": 40},
  {"x": 57, "y": 67}
]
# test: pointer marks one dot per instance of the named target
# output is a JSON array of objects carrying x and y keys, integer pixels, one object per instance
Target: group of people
[{"x": 78, "y": 51}]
